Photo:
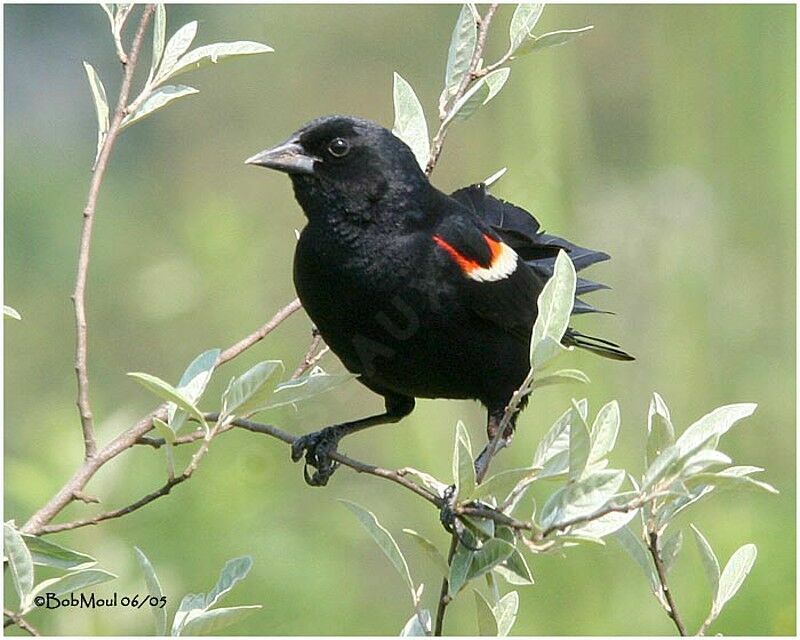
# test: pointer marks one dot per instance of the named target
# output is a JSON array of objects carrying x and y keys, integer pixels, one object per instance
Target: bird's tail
[{"x": 605, "y": 348}]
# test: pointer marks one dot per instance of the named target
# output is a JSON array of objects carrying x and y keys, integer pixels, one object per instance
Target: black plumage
[{"x": 420, "y": 293}]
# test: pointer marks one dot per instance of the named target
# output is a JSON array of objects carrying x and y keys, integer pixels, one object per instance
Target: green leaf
[
  {"x": 702, "y": 460},
  {"x": 711, "y": 427},
  {"x": 660, "y": 432},
  {"x": 192, "y": 604},
  {"x": 500, "y": 484},
  {"x": 430, "y": 550},
  {"x": 505, "y": 612},
  {"x": 159, "y": 39},
  {"x": 214, "y": 53},
  {"x": 208, "y": 622},
  {"x": 730, "y": 478},
  {"x": 579, "y": 445},
  {"x": 153, "y": 590},
  {"x": 555, "y": 306},
  {"x": 463, "y": 466},
  {"x": 48, "y": 554},
  {"x": 547, "y": 40},
  {"x": 459, "y": 567},
  {"x": 159, "y": 99},
  {"x": 493, "y": 552},
  {"x": 416, "y": 629},
  {"x": 495, "y": 177},
  {"x": 581, "y": 498},
  {"x": 525, "y": 17},
  {"x": 166, "y": 391},
  {"x": 100, "y": 105},
  {"x": 479, "y": 94},
  {"x": 634, "y": 545},
  {"x": 733, "y": 575},
  {"x": 251, "y": 391},
  {"x": 178, "y": 44},
  {"x": 487, "y": 625},
  {"x": 604, "y": 431},
  {"x": 20, "y": 562},
  {"x": 108, "y": 8},
  {"x": 462, "y": 47},
  {"x": 11, "y": 312},
  {"x": 561, "y": 377},
  {"x": 437, "y": 487},
  {"x": 671, "y": 549},
  {"x": 384, "y": 540},
  {"x": 556, "y": 440},
  {"x": 234, "y": 571},
  {"x": 75, "y": 581},
  {"x": 709, "y": 558},
  {"x": 314, "y": 383},
  {"x": 605, "y": 525},
  {"x": 409, "y": 120},
  {"x": 192, "y": 384},
  {"x": 163, "y": 430}
]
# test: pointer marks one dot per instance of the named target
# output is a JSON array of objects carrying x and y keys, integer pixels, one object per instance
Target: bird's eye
[{"x": 339, "y": 147}]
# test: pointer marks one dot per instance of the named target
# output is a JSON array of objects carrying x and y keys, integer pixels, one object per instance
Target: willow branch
[
  {"x": 661, "y": 570},
  {"x": 16, "y": 619},
  {"x": 444, "y": 599}
]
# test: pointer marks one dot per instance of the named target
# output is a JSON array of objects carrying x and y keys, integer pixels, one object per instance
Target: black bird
[{"x": 419, "y": 293}]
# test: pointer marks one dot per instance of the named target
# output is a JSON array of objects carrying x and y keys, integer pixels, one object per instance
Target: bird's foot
[
  {"x": 317, "y": 448},
  {"x": 450, "y": 520}
]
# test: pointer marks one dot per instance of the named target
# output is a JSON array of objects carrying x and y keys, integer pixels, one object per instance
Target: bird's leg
[
  {"x": 319, "y": 445},
  {"x": 449, "y": 519}
]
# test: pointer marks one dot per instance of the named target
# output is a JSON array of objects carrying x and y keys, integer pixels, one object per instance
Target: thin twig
[
  {"x": 79, "y": 295},
  {"x": 470, "y": 75},
  {"x": 661, "y": 570},
  {"x": 444, "y": 599},
  {"x": 18, "y": 620},
  {"x": 312, "y": 357}
]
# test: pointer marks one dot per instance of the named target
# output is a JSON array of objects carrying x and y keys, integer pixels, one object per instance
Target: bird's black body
[{"x": 420, "y": 293}]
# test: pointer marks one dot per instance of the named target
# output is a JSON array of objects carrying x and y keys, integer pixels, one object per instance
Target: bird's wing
[{"x": 491, "y": 278}]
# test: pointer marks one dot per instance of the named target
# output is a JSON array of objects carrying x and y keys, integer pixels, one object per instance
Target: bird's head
[{"x": 345, "y": 165}]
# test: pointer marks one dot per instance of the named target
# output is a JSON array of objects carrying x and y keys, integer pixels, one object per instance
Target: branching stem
[{"x": 661, "y": 570}]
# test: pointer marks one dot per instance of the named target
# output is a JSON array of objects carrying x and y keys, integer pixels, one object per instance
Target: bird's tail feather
[{"x": 605, "y": 348}]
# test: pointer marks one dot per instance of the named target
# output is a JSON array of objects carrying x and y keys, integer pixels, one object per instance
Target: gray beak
[{"x": 288, "y": 157}]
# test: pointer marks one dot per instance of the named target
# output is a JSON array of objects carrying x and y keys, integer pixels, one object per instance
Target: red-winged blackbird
[{"x": 419, "y": 293}]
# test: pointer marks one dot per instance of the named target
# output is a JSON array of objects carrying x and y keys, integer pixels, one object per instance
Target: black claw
[
  {"x": 317, "y": 448},
  {"x": 451, "y": 522}
]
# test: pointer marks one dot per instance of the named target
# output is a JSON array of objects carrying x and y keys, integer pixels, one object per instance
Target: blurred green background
[{"x": 665, "y": 137}]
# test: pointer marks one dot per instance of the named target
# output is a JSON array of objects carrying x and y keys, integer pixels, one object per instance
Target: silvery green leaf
[
  {"x": 409, "y": 120},
  {"x": 734, "y": 477},
  {"x": 166, "y": 391},
  {"x": 515, "y": 570},
  {"x": 20, "y": 563},
  {"x": 177, "y": 45},
  {"x": 480, "y": 527},
  {"x": 69, "y": 582},
  {"x": 234, "y": 570},
  {"x": 561, "y": 376},
  {"x": 208, "y": 622},
  {"x": 493, "y": 552},
  {"x": 710, "y": 427},
  {"x": 384, "y": 540},
  {"x": 702, "y": 460},
  {"x": 100, "y": 105},
  {"x": 153, "y": 590},
  {"x": 495, "y": 177},
  {"x": 660, "y": 432},
  {"x": 252, "y": 391},
  {"x": 525, "y": 17},
  {"x": 214, "y": 53},
  {"x": 479, "y": 94},
  {"x": 555, "y": 467},
  {"x": 192, "y": 384},
  {"x": 159, "y": 99},
  {"x": 676, "y": 505},
  {"x": 463, "y": 466},
  {"x": 579, "y": 446},
  {"x": 604, "y": 431},
  {"x": 666, "y": 465},
  {"x": 556, "y": 440},
  {"x": 487, "y": 625},
  {"x": 159, "y": 39},
  {"x": 505, "y": 612},
  {"x": 415, "y": 628},
  {"x": 555, "y": 306},
  {"x": 437, "y": 487},
  {"x": 547, "y": 40},
  {"x": 164, "y": 430},
  {"x": 459, "y": 567},
  {"x": 604, "y": 525},
  {"x": 733, "y": 575},
  {"x": 108, "y": 8},
  {"x": 48, "y": 554},
  {"x": 310, "y": 385},
  {"x": 430, "y": 550},
  {"x": 191, "y": 606},
  {"x": 634, "y": 545},
  {"x": 462, "y": 46},
  {"x": 500, "y": 484},
  {"x": 709, "y": 558},
  {"x": 671, "y": 548},
  {"x": 11, "y": 312},
  {"x": 581, "y": 498}
]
